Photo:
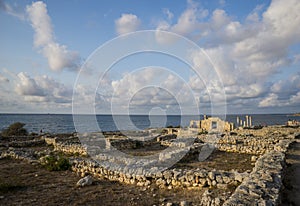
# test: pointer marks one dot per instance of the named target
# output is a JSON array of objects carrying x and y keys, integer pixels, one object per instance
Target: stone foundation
[
  {"x": 263, "y": 185},
  {"x": 173, "y": 178}
]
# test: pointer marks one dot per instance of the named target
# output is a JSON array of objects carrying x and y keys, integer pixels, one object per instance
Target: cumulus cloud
[
  {"x": 42, "y": 89},
  {"x": 270, "y": 101},
  {"x": 141, "y": 90},
  {"x": 59, "y": 57},
  {"x": 295, "y": 99},
  {"x": 127, "y": 23},
  {"x": 188, "y": 23},
  {"x": 246, "y": 54},
  {"x": 28, "y": 86}
]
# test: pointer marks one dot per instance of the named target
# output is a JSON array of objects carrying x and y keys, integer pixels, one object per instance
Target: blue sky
[{"x": 254, "y": 45}]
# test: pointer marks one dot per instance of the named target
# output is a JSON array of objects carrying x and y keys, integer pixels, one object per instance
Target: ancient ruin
[{"x": 256, "y": 176}]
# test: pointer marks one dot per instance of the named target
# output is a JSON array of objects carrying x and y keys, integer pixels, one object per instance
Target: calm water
[{"x": 63, "y": 123}]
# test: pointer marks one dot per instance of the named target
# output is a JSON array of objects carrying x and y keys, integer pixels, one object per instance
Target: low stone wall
[
  {"x": 67, "y": 146},
  {"x": 172, "y": 178},
  {"x": 252, "y": 145},
  {"x": 263, "y": 185},
  {"x": 19, "y": 154},
  {"x": 29, "y": 143},
  {"x": 73, "y": 149}
]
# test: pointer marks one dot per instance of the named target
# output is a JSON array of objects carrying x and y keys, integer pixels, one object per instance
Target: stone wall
[
  {"x": 20, "y": 154},
  {"x": 68, "y": 146},
  {"x": 263, "y": 185},
  {"x": 172, "y": 178},
  {"x": 252, "y": 145},
  {"x": 28, "y": 143}
]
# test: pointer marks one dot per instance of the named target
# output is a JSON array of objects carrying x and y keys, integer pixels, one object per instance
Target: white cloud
[
  {"x": 254, "y": 16},
  {"x": 188, "y": 23},
  {"x": 14, "y": 10},
  {"x": 284, "y": 92},
  {"x": 3, "y": 79},
  {"x": 169, "y": 14},
  {"x": 143, "y": 90},
  {"x": 270, "y": 101},
  {"x": 59, "y": 57},
  {"x": 127, "y": 23},
  {"x": 219, "y": 19},
  {"x": 27, "y": 86},
  {"x": 41, "y": 23},
  {"x": 295, "y": 99},
  {"x": 42, "y": 89},
  {"x": 288, "y": 86}
]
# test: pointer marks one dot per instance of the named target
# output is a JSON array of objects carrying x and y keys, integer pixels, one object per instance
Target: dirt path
[{"x": 291, "y": 193}]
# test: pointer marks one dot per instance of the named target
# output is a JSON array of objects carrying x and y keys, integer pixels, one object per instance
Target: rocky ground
[
  {"x": 291, "y": 192},
  {"x": 27, "y": 182},
  {"x": 24, "y": 184}
]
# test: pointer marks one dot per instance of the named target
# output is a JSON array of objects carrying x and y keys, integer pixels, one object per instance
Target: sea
[{"x": 63, "y": 123}]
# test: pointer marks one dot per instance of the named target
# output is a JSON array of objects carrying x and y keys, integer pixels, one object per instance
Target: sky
[{"x": 248, "y": 59}]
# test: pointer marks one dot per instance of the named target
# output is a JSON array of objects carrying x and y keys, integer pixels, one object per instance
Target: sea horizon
[{"x": 64, "y": 123}]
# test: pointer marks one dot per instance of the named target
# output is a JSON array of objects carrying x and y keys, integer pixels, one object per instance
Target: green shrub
[
  {"x": 55, "y": 162},
  {"x": 15, "y": 129}
]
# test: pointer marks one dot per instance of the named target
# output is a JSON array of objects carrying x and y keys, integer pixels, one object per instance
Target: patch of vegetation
[
  {"x": 55, "y": 162},
  {"x": 202, "y": 132},
  {"x": 15, "y": 129}
]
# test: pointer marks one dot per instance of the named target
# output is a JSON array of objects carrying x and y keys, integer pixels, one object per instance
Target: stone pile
[{"x": 209, "y": 199}]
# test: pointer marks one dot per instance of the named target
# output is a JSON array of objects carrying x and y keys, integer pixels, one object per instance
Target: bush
[
  {"x": 203, "y": 132},
  {"x": 55, "y": 162},
  {"x": 15, "y": 129}
]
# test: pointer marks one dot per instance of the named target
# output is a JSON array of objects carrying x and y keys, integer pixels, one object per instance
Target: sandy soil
[{"x": 291, "y": 193}]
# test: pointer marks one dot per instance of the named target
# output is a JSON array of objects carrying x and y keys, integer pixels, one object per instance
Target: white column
[
  {"x": 247, "y": 121},
  {"x": 250, "y": 121}
]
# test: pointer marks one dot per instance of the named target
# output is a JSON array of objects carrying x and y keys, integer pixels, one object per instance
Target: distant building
[
  {"x": 293, "y": 123},
  {"x": 212, "y": 124}
]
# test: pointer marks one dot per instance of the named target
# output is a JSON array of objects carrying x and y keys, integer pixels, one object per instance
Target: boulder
[{"x": 88, "y": 180}]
